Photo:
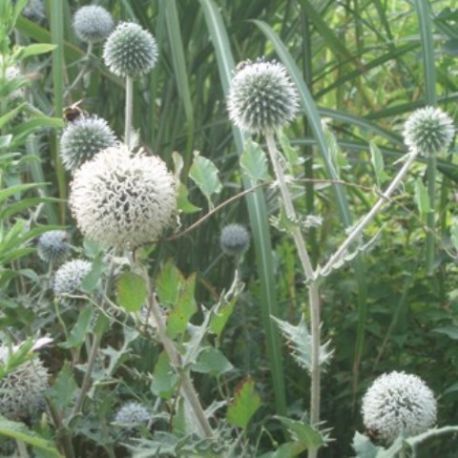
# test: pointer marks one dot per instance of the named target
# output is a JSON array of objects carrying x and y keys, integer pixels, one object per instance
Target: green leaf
[
  {"x": 377, "y": 163},
  {"x": 205, "y": 175},
  {"x": 36, "y": 49},
  {"x": 131, "y": 291},
  {"x": 165, "y": 379},
  {"x": 421, "y": 197},
  {"x": 183, "y": 203},
  {"x": 454, "y": 233},
  {"x": 64, "y": 388},
  {"x": 20, "y": 432},
  {"x": 212, "y": 361},
  {"x": 254, "y": 161},
  {"x": 303, "y": 433},
  {"x": 167, "y": 283},
  {"x": 81, "y": 328},
  {"x": 450, "y": 331},
  {"x": 363, "y": 447},
  {"x": 92, "y": 278},
  {"x": 245, "y": 404},
  {"x": 220, "y": 318}
]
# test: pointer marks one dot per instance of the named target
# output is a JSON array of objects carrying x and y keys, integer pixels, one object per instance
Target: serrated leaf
[
  {"x": 244, "y": 405},
  {"x": 81, "y": 328},
  {"x": 64, "y": 388},
  {"x": 131, "y": 291},
  {"x": 254, "y": 161},
  {"x": 363, "y": 447},
  {"x": 422, "y": 197},
  {"x": 165, "y": 379},
  {"x": 204, "y": 173},
  {"x": 212, "y": 361},
  {"x": 303, "y": 433}
]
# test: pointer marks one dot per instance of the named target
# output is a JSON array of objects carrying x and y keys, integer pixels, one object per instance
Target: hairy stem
[
  {"x": 128, "y": 112},
  {"x": 430, "y": 245},
  {"x": 313, "y": 292}
]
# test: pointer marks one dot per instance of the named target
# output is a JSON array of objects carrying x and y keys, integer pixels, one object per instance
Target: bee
[
  {"x": 241, "y": 65},
  {"x": 372, "y": 434},
  {"x": 73, "y": 111}
]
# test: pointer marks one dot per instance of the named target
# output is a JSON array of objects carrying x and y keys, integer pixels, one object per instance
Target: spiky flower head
[
  {"x": 23, "y": 389},
  {"x": 92, "y": 23},
  {"x": 429, "y": 131},
  {"x": 34, "y": 10},
  {"x": 132, "y": 415},
  {"x": 123, "y": 200},
  {"x": 234, "y": 239},
  {"x": 130, "y": 50},
  {"x": 53, "y": 246},
  {"x": 82, "y": 139},
  {"x": 398, "y": 403},
  {"x": 69, "y": 278},
  {"x": 262, "y": 97}
]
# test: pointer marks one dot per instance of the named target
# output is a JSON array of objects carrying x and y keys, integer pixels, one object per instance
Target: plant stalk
[
  {"x": 313, "y": 291},
  {"x": 128, "y": 110},
  {"x": 430, "y": 242}
]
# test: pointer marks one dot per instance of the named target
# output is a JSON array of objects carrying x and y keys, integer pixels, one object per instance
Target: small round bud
[
  {"x": 398, "y": 403},
  {"x": 83, "y": 139},
  {"x": 34, "y": 10},
  {"x": 429, "y": 131},
  {"x": 234, "y": 239},
  {"x": 92, "y": 23},
  {"x": 123, "y": 200},
  {"x": 53, "y": 246},
  {"x": 23, "y": 389},
  {"x": 262, "y": 97},
  {"x": 130, "y": 50},
  {"x": 132, "y": 415},
  {"x": 69, "y": 278}
]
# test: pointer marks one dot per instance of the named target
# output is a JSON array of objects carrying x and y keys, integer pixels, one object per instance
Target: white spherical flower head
[
  {"x": 130, "y": 50},
  {"x": 69, "y": 278},
  {"x": 132, "y": 415},
  {"x": 53, "y": 246},
  {"x": 22, "y": 391},
  {"x": 123, "y": 200},
  {"x": 262, "y": 97},
  {"x": 92, "y": 23},
  {"x": 82, "y": 139},
  {"x": 398, "y": 403},
  {"x": 429, "y": 131},
  {"x": 234, "y": 239}
]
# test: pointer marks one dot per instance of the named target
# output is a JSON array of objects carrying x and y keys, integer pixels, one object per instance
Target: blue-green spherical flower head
[
  {"x": 92, "y": 23},
  {"x": 429, "y": 131},
  {"x": 130, "y": 50},
  {"x": 34, "y": 10},
  {"x": 234, "y": 239},
  {"x": 83, "y": 139},
  {"x": 53, "y": 246},
  {"x": 69, "y": 279},
  {"x": 132, "y": 415},
  {"x": 262, "y": 97}
]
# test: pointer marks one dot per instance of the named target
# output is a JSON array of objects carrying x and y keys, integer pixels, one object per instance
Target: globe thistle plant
[
  {"x": 34, "y": 10},
  {"x": 429, "y": 131},
  {"x": 130, "y": 50},
  {"x": 262, "y": 97},
  {"x": 123, "y": 200},
  {"x": 23, "y": 389},
  {"x": 398, "y": 403},
  {"x": 53, "y": 246},
  {"x": 92, "y": 23},
  {"x": 69, "y": 277},
  {"x": 132, "y": 415},
  {"x": 82, "y": 139},
  {"x": 234, "y": 239}
]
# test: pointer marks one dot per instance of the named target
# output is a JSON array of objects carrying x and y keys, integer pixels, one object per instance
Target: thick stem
[
  {"x": 356, "y": 231},
  {"x": 128, "y": 110},
  {"x": 430, "y": 245},
  {"x": 313, "y": 292},
  {"x": 187, "y": 388}
]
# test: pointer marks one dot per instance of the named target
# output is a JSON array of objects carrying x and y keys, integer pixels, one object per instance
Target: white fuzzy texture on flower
[
  {"x": 22, "y": 390},
  {"x": 398, "y": 403},
  {"x": 262, "y": 97},
  {"x": 92, "y": 23},
  {"x": 82, "y": 139},
  {"x": 234, "y": 239},
  {"x": 123, "y": 200},
  {"x": 132, "y": 414},
  {"x": 69, "y": 277},
  {"x": 53, "y": 246},
  {"x": 130, "y": 50},
  {"x": 429, "y": 131}
]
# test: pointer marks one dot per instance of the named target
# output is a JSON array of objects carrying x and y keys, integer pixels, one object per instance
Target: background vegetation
[{"x": 367, "y": 65}]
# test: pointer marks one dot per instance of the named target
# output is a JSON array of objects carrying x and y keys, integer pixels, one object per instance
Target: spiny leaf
[{"x": 245, "y": 404}]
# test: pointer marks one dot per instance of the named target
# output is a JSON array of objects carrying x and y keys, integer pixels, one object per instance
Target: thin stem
[
  {"x": 187, "y": 388},
  {"x": 22, "y": 449},
  {"x": 430, "y": 245},
  {"x": 357, "y": 230},
  {"x": 85, "y": 60},
  {"x": 128, "y": 112},
  {"x": 313, "y": 291}
]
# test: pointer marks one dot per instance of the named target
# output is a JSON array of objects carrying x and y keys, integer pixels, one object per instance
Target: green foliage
[
  {"x": 131, "y": 291},
  {"x": 244, "y": 405}
]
